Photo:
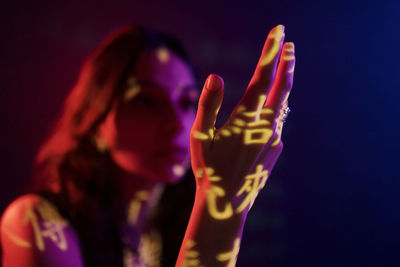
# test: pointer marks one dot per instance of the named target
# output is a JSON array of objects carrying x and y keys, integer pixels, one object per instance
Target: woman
[{"x": 124, "y": 134}]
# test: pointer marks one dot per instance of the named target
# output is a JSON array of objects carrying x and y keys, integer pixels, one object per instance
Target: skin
[
  {"x": 147, "y": 134},
  {"x": 249, "y": 142},
  {"x": 25, "y": 236}
]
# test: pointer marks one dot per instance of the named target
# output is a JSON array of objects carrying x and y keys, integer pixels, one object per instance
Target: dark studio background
[{"x": 333, "y": 197}]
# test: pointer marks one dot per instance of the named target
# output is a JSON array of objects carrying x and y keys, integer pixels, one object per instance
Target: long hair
[{"x": 70, "y": 163}]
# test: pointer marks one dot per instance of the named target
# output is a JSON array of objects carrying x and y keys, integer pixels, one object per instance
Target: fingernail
[{"x": 213, "y": 82}]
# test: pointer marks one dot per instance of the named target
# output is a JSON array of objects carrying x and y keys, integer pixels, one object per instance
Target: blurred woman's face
[{"x": 148, "y": 130}]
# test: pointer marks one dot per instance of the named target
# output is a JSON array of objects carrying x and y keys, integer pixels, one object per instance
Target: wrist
[{"x": 215, "y": 203}]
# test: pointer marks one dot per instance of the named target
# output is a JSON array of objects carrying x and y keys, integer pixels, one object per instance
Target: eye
[
  {"x": 145, "y": 101},
  {"x": 148, "y": 101},
  {"x": 188, "y": 103}
]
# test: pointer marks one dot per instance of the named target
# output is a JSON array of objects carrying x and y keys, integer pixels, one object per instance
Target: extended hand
[{"x": 232, "y": 164}]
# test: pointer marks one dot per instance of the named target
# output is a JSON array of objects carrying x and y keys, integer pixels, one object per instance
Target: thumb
[{"x": 209, "y": 104}]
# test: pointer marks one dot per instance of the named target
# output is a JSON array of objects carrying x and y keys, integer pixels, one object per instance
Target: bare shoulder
[{"x": 33, "y": 233}]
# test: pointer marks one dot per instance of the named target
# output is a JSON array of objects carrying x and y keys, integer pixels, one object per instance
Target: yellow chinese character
[
  {"x": 209, "y": 173},
  {"x": 230, "y": 256},
  {"x": 52, "y": 224},
  {"x": 213, "y": 193},
  {"x": 192, "y": 256},
  {"x": 150, "y": 249},
  {"x": 257, "y": 131},
  {"x": 252, "y": 185},
  {"x": 257, "y": 136},
  {"x": 205, "y": 136},
  {"x": 276, "y": 37},
  {"x": 135, "y": 205}
]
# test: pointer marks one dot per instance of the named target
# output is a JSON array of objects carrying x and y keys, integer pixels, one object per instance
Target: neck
[{"x": 140, "y": 195}]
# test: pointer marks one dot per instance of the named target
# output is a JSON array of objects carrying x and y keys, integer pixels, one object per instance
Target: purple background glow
[{"x": 332, "y": 199}]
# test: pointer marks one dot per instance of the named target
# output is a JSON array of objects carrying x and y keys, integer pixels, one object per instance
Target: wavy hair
[{"x": 69, "y": 163}]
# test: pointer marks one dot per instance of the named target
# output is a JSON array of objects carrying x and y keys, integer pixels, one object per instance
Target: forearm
[
  {"x": 210, "y": 241},
  {"x": 231, "y": 164}
]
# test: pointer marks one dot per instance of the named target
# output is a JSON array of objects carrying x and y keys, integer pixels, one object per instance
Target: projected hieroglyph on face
[{"x": 151, "y": 124}]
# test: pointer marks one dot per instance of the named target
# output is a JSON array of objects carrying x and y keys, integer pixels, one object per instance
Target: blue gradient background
[{"x": 333, "y": 197}]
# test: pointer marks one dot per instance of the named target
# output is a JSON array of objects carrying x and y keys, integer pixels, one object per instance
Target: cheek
[
  {"x": 188, "y": 121},
  {"x": 136, "y": 133},
  {"x": 186, "y": 124}
]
